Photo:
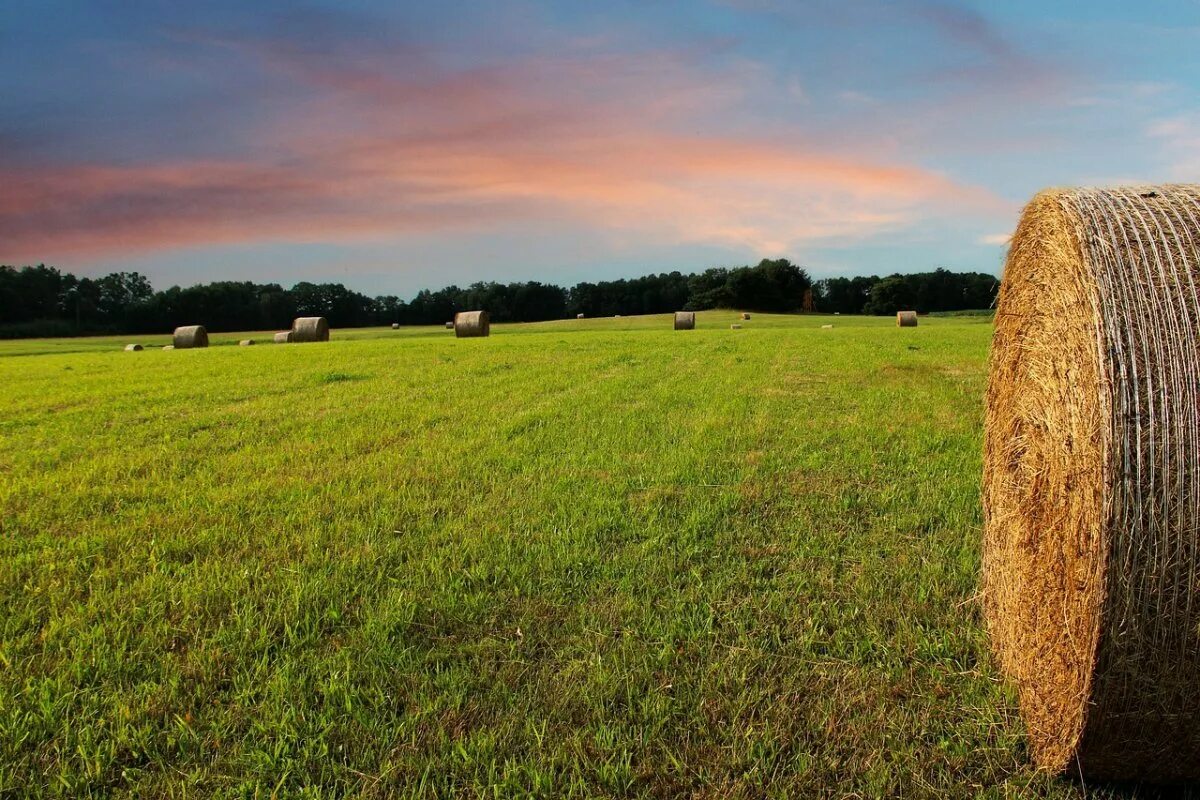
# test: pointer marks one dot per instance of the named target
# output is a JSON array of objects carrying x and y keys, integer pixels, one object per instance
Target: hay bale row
[
  {"x": 906, "y": 319},
  {"x": 685, "y": 320},
  {"x": 1091, "y": 489},
  {"x": 190, "y": 336},
  {"x": 469, "y": 324}
]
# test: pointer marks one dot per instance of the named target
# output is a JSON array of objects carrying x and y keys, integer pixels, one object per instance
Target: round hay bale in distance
[
  {"x": 735, "y": 327},
  {"x": 826, "y": 327},
  {"x": 168, "y": 347},
  {"x": 745, "y": 315},
  {"x": 310, "y": 329},
  {"x": 906, "y": 319},
  {"x": 468, "y": 324},
  {"x": 1091, "y": 486},
  {"x": 395, "y": 326},
  {"x": 685, "y": 320},
  {"x": 190, "y": 336},
  {"x": 283, "y": 337},
  {"x": 449, "y": 326},
  {"x": 579, "y": 316},
  {"x": 133, "y": 348},
  {"x": 245, "y": 342}
]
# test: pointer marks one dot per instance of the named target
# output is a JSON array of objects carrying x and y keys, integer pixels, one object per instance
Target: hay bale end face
[
  {"x": 245, "y": 342},
  {"x": 685, "y": 320},
  {"x": 470, "y": 324},
  {"x": 190, "y": 336},
  {"x": 133, "y": 348},
  {"x": 1091, "y": 480},
  {"x": 310, "y": 329},
  {"x": 283, "y": 337},
  {"x": 745, "y": 315},
  {"x": 906, "y": 319}
]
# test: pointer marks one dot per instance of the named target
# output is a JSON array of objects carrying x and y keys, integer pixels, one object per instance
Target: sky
[{"x": 397, "y": 146}]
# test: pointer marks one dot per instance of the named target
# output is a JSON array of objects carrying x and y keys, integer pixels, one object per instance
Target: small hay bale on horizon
[
  {"x": 449, "y": 326},
  {"x": 133, "y": 348},
  {"x": 906, "y": 319},
  {"x": 168, "y": 347},
  {"x": 579, "y": 316},
  {"x": 471, "y": 324},
  {"x": 745, "y": 315},
  {"x": 395, "y": 326},
  {"x": 283, "y": 337},
  {"x": 310, "y": 329},
  {"x": 826, "y": 327},
  {"x": 685, "y": 320},
  {"x": 1090, "y": 549},
  {"x": 245, "y": 342},
  {"x": 188, "y": 336},
  {"x": 735, "y": 327}
]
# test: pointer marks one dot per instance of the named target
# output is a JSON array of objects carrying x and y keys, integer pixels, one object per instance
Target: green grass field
[{"x": 575, "y": 559}]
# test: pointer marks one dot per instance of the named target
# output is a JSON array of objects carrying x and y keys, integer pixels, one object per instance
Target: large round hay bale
[
  {"x": 471, "y": 323},
  {"x": 133, "y": 348},
  {"x": 190, "y": 336},
  {"x": 245, "y": 342},
  {"x": 310, "y": 329},
  {"x": 685, "y": 320},
  {"x": 283, "y": 337},
  {"x": 1091, "y": 489},
  {"x": 906, "y": 319}
]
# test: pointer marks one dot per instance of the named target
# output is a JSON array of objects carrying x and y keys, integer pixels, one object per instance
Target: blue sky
[{"x": 401, "y": 146}]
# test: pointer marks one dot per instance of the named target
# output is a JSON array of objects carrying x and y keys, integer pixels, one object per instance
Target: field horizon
[{"x": 580, "y": 558}]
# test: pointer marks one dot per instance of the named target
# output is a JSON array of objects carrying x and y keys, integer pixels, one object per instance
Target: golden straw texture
[
  {"x": 310, "y": 329},
  {"x": 685, "y": 320},
  {"x": 906, "y": 319},
  {"x": 1091, "y": 487},
  {"x": 190, "y": 336},
  {"x": 471, "y": 323}
]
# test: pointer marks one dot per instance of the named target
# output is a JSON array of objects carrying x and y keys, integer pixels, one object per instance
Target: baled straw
[
  {"x": 471, "y": 323},
  {"x": 826, "y": 327},
  {"x": 579, "y": 316},
  {"x": 310, "y": 329},
  {"x": 906, "y": 319},
  {"x": 395, "y": 326},
  {"x": 745, "y": 315},
  {"x": 190, "y": 336},
  {"x": 133, "y": 348},
  {"x": 735, "y": 327},
  {"x": 168, "y": 347},
  {"x": 246, "y": 342},
  {"x": 283, "y": 337},
  {"x": 449, "y": 326},
  {"x": 685, "y": 320},
  {"x": 1091, "y": 488}
]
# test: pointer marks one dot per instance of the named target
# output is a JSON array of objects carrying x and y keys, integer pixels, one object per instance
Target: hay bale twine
[
  {"x": 395, "y": 326},
  {"x": 685, "y": 320},
  {"x": 133, "y": 348},
  {"x": 1091, "y": 489},
  {"x": 310, "y": 329},
  {"x": 471, "y": 323},
  {"x": 906, "y": 319},
  {"x": 245, "y": 342},
  {"x": 190, "y": 336},
  {"x": 283, "y": 337},
  {"x": 745, "y": 315}
]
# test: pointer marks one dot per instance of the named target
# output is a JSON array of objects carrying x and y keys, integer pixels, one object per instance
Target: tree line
[{"x": 44, "y": 301}]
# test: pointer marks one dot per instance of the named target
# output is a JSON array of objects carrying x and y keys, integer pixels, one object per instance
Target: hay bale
[
  {"x": 245, "y": 342},
  {"x": 745, "y": 315},
  {"x": 685, "y": 320},
  {"x": 1091, "y": 488},
  {"x": 168, "y": 347},
  {"x": 735, "y": 327},
  {"x": 395, "y": 326},
  {"x": 906, "y": 319},
  {"x": 826, "y": 327},
  {"x": 469, "y": 324},
  {"x": 579, "y": 316},
  {"x": 283, "y": 337},
  {"x": 133, "y": 348},
  {"x": 190, "y": 336},
  {"x": 310, "y": 329}
]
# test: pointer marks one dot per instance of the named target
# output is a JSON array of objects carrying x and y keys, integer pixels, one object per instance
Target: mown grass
[{"x": 577, "y": 559}]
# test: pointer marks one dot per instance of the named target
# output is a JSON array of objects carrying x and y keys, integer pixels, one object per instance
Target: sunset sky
[{"x": 399, "y": 146}]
